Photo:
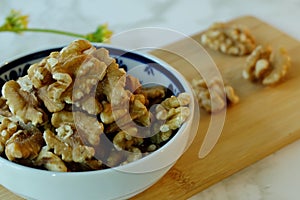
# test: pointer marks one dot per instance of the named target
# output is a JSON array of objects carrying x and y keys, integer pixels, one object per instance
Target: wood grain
[{"x": 265, "y": 120}]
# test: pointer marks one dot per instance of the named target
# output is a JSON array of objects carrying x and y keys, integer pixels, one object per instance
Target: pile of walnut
[
  {"x": 267, "y": 66},
  {"x": 213, "y": 96},
  {"x": 229, "y": 39},
  {"x": 262, "y": 65},
  {"x": 76, "y": 110}
]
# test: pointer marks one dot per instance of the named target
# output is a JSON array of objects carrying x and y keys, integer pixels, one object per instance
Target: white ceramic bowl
[{"x": 114, "y": 183}]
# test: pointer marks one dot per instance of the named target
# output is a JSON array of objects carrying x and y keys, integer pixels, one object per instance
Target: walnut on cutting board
[
  {"x": 229, "y": 39},
  {"x": 266, "y": 65},
  {"x": 210, "y": 95}
]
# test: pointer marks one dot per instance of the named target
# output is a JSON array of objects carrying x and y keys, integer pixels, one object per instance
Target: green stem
[{"x": 17, "y": 30}]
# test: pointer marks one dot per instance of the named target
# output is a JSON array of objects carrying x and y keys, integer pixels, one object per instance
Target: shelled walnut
[
  {"x": 213, "y": 96},
  {"x": 7, "y": 129},
  {"x": 267, "y": 66},
  {"x": 173, "y": 112},
  {"x": 24, "y": 144},
  {"x": 23, "y": 104},
  {"x": 229, "y": 39},
  {"x": 61, "y": 115}
]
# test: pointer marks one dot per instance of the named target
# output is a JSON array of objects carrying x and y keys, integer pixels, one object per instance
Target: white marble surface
[{"x": 274, "y": 178}]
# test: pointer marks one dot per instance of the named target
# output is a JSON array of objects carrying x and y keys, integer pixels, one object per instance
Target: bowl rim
[{"x": 181, "y": 80}]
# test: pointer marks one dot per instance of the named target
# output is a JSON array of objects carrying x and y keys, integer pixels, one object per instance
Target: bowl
[{"x": 113, "y": 183}]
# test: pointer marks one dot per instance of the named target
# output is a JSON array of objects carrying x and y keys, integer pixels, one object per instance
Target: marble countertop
[{"x": 273, "y": 178}]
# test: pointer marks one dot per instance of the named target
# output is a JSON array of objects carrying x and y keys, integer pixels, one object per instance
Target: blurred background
[{"x": 273, "y": 178}]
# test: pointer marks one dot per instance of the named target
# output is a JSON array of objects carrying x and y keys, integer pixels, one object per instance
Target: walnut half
[
  {"x": 23, "y": 104},
  {"x": 267, "y": 66},
  {"x": 207, "y": 98},
  {"x": 229, "y": 39},
  {"x": 24, "y": 145}
]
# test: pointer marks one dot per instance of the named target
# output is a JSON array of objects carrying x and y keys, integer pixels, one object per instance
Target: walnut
[
  {"x": 70, "y": 75},
  {"x": 174, "y": 121},
  {"x": 76, "y": 47},
  {"x": 108, "y": 115},
  {"x": 154, "y": 92},
  {"x": 161, "y": 137},
  {"x": 281, "y": 62},
  {"x": 23, "y": 104},
  {"x": 231, "y": 95},
  {"x": 183, "y": 99},
  {"x": 62, "y": 118},
  {"x": 87, "y": 77},
  {"x": 133, "y": 84},
  {"x": 51, "y": 104},
  {"x": 24, "y": 144},
  {"x": 254, "y": 69},
  {"x": 70, "y": 85},
  {"x": 56, "y": 93},
  {"x": 115, "y": 157},
  {"x": 229, "y": 39},
  {"x": 88, "y": 127},
  {"x": 89, "y": 104},
  {"x": 138, "y": 111},
  {"x": 4, "y": 109},
  {"x": 50, "y": 161},
  {"x": 174, "y": 111},
  {"x": 213, "y": 97},
  {"x": 39, "y": 74},
  {"x": 25, "y": 84},
  {"x": 113, "y": 86},
  {"x": 125, "y": 141},
  {"x": 7, "y": 129},
  {"x": 267, "y": 66},
  {"x": 70, "y": 149},
  {"x": 103, "y": 55},
  {"x": 135, "y": 154},
  {"x": 64, "y": 131}
]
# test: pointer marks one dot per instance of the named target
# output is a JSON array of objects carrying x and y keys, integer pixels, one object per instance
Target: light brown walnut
[
  {"x": 113, "y": 86},
  {"x": 281, "y": 62},
  {"x": 257, "y": 63},
  {"x": 4, "y": 109},
  {"x": 50, "y": 161},
  {"x": 7, "y": 129},
  {"x": 214, "y": 96},
  {"x": 39, "y": 74},
  {"x": 109, "y": 116},
  {"x": 138, "y": 111},
  {"x": 229, "y": 39},
  {"x": 133, "y": 84},
  {"x": 87, "y": 126},
  {"x": 174, "y": 111},
  {"x": 70, "y": 149},
  {"x": 23, "y": 104},
  {"x": 87, "y": 77},
  {"x": 103, "y": 55},
  {"x": 24, "y": 144},
  {"x": 76, "y": 47},
  {"x": 124, "y": 140},
  {"x": 267, "y": 66},
  {"x": 90, "y": 105},
  {"x": 155, "y": 92}
]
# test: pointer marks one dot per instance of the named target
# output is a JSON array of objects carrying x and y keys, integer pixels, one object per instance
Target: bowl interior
[{"x": 147, "y": 69}]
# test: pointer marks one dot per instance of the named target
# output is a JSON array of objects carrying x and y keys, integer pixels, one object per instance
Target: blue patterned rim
[{"x": 18, "y": 67}]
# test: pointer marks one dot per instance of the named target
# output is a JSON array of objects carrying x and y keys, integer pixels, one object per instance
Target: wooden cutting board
[{"x": 265, "y": 120}]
